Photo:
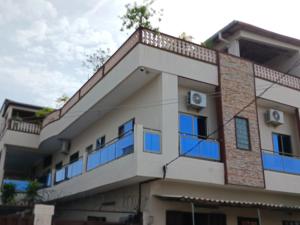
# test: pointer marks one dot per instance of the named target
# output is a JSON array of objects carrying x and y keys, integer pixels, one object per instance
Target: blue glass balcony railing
[
  {"x": 193, "y": 146},
  {"x": 69, "y": 171},
  {"x": 281, "y": 163},
  {"x": 21, "y": 185},
  {"x": 112, "y": 151}
]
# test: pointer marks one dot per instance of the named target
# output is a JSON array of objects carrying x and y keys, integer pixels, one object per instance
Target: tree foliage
[
  {"x": 96, "y": 59},
  {"x": 32, "y": 196},
  {"x": 43, "y": 112},
  {"x": 140, "y": 16},
  {"x": 8, "y": 194}
]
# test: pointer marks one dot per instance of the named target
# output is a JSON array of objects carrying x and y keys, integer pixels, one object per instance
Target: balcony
[
  {"x": 193, "y": 146},
  {"x": 69, "y": 171},
  {"x": 114, "y": 150},
  {"x": 26, "y": 127},
  {"x": 281, "y": 163}
]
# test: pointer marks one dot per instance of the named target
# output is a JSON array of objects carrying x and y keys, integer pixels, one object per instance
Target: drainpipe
[
  {"x": 259, "y": 216},
  {"x": 223, "y": 39},
  {"x": 193, "y": 213}
]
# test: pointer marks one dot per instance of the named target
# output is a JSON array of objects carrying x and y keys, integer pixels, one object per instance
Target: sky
[{"x": 43, "y": 43}]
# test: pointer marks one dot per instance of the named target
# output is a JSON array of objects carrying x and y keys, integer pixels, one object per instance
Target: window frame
[
  {"x": 193, "y": 123},
  {"x": 103, "y": 137},
  {"x": 281, "y": 152},
  {"x": 75, "y": 159},
  {"x": 147, "y": 130},
  {"x": 122, "y": 125},
  {"x": 248, "y": 133}
]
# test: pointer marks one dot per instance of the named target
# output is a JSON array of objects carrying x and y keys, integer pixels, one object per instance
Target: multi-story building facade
[{"x": 171, "y": 132}]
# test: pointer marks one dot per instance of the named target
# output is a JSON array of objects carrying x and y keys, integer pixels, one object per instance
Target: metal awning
[{"x": 209, "y": 202}]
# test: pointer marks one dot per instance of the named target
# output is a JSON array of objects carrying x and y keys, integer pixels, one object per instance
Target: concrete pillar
[
  {"x": 169, "y": 116},
  {"x": 84, "y": 161},
  {"x": 53, "y": 175},
  {"x": 43, "y": 214},
  {"x": 234, "y": 48}
]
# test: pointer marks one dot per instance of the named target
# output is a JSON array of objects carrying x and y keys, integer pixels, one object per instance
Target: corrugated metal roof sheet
[{"x": 227, "y": 203}]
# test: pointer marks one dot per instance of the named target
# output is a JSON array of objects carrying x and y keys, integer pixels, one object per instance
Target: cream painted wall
[
  {"x": 139, "y": 56},
  {"x": 278, "y": 93},
  {"x": 144, "y": 106},
  {"x": 288, "y": 128}
]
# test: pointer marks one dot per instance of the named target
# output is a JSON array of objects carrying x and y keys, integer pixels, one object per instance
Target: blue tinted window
[
  {"x": 152, "y": 142},
  {"x": 186, "y": 124},
  {"x": 275, "y": 142},
  {"x": 242, "y": 133}
]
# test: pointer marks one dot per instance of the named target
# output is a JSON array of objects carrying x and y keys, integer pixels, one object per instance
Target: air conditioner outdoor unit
[
  {"x": 65, "y": 146},
  {"x": 274, "y": 117},
  {"x": 196, "y": 99}
]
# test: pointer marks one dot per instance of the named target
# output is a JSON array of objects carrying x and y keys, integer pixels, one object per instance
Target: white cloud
[
  {"x": 65, "y": 40},
  {"x": 40, "y": 84},
  {"x": 13, "y": 10}
]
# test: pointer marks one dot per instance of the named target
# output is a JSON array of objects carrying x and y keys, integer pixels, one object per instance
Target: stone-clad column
[{"x": 237, "y": 86}]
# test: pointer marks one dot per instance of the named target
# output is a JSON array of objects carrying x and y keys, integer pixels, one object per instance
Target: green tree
[
  {"x": 140, "y": 16},
  {"x": 32, "y": 196},
  {"x": 43, "y": 112},
  {"x": 8, "y": 193},
  {"x": 96, "y": 59}
]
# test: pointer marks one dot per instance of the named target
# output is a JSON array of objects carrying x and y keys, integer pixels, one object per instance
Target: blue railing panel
[
  {"x": 75, "y": 168},
  {"x": 112, "y": 151},
  {"x": 107, "y": 154},
  {"x": 93, "y": 160},
  {"x": 200, "y": 148},
  {"x": 21, "y": 185},
  {"x": 281, "y": 163},
  {"x": 60, "y": 175},
  {"x": 124, "y": 146}
]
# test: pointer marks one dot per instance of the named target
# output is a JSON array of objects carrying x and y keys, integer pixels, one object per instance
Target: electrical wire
[{"x": 229, "y": 120}]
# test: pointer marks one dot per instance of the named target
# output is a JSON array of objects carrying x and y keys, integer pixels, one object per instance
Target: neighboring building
[{"x": 161, "y": 131}]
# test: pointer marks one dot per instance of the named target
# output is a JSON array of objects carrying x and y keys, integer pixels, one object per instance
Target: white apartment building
[{"x": 168, "y": 132}]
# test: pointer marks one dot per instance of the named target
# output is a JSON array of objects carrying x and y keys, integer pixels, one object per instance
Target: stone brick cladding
[{"x": 242, "y": 167}]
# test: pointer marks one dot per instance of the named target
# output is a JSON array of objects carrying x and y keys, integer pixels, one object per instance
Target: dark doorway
[{"x": 185, "y": 218}]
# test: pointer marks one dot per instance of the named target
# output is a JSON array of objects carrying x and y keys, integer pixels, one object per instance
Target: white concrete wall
[
  {"x": 144, "y": 56},
  {"x": 283, "y": 182}
]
